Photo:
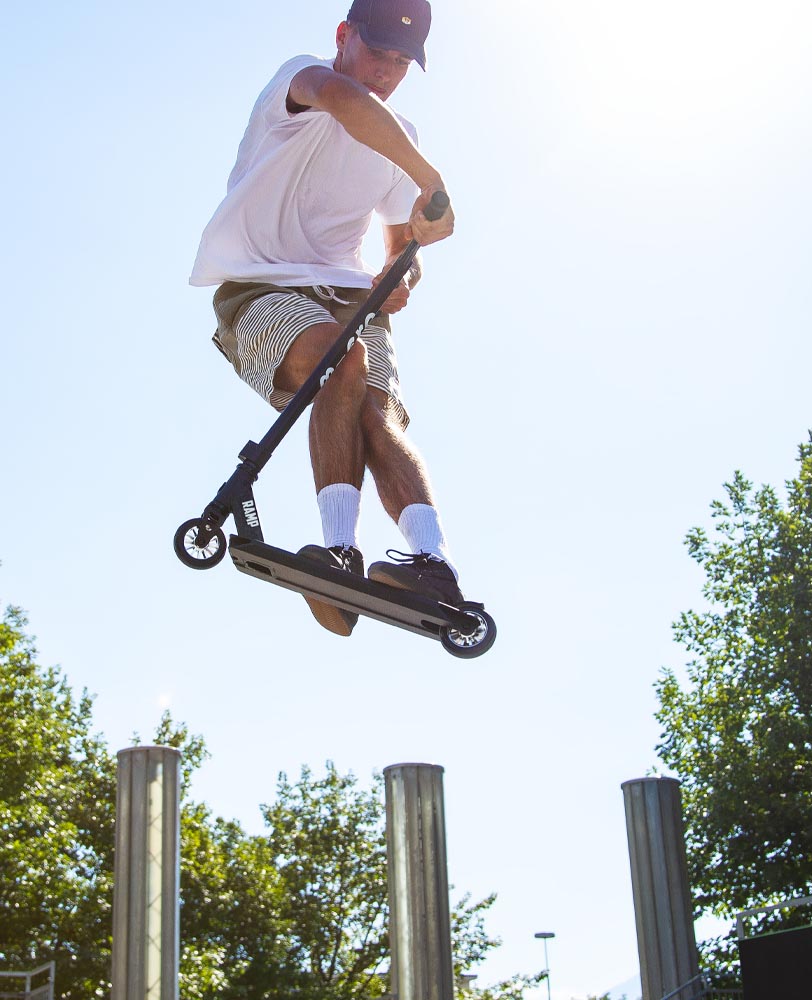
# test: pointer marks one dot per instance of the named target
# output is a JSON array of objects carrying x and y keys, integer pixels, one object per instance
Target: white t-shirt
[{"x": 300, "y": 198}]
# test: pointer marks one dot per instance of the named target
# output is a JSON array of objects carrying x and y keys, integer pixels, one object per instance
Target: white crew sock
[
  {"x": 419, "y": 523},
  {"x": 340, "y": 506}
]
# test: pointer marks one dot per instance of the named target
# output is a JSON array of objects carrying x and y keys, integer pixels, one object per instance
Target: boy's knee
[
  {"x": 350, "y": 376},
  {"x": 354, "y": 367},
  {"x": 376, "y": 415},
  {"x": 356, "y": 360}
]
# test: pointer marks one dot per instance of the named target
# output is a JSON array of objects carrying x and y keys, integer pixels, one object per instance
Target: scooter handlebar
[{"x": 436, "y": 207}]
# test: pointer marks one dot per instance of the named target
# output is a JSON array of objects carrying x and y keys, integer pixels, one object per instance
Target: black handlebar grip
[{"x": 436, "y": 207}]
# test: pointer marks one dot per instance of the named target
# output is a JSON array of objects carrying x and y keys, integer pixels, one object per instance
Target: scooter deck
[{"x": 403, "y": 608}]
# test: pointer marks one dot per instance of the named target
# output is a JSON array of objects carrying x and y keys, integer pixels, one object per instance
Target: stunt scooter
[{"x": 467, "y": 630}]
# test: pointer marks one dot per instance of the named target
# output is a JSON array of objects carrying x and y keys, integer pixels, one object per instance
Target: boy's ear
[{"x": 341, "y": 35}]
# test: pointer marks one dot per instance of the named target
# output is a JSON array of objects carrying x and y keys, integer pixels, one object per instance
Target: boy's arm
[
  {"x": 395, "y": 240},
  {"x": 368, "y": 120}
]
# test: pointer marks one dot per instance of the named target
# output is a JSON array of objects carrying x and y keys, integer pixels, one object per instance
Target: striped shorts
[{"x": 258, "y": 323}]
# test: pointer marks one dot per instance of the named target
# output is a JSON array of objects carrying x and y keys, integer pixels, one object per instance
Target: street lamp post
[{"x": 545, "y": 936}]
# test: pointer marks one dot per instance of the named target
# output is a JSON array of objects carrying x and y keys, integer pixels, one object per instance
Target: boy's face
[{"x": 379, "y": 70}]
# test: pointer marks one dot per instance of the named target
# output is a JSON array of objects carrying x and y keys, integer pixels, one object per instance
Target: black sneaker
[
  {"x": 349, "y": 560},
  {"x": 421, "y": 573}
]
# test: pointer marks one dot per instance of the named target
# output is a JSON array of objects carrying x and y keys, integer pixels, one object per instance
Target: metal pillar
[
  {"x": 666, "y": 942},
  {"x": 147, "y": 875},
  {"x": 419, "y": 918}
]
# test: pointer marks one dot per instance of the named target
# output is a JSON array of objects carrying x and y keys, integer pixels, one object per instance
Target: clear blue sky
[{"x": 621, "y": 320}]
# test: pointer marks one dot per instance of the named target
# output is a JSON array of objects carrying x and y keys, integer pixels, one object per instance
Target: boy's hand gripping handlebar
[{"x": 393, "y": 277}]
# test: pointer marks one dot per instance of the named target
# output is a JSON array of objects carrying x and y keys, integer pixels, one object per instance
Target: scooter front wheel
[
  {"x": 194, "y": 555},
  {"x": 475, "y": 643}
]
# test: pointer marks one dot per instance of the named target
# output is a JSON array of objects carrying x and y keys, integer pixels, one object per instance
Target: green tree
[
  {"x": 299, "y": 911},
  {"x": 327, "y": 865},
  {"x": 326, "y": 858},
  {"x": 738, "y": 730},
  {"x": 57, "y": 799}
]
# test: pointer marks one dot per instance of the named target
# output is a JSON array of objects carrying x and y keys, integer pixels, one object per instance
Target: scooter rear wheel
[
  {"x": 477, "y": 642},
  {"x": 198, "y": 556}
]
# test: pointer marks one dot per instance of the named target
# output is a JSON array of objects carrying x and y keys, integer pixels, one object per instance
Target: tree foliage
[
  {"x": 326, "y": 838},
  {"x": 317, "y": 879},
  {"x": 298, "y": 911},
  {"x": 737, "y": 730},
  {"x": 57, "y": 800}
]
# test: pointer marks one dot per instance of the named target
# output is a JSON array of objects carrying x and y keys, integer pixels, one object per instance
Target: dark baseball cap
[{"x": 402, "y": 25}]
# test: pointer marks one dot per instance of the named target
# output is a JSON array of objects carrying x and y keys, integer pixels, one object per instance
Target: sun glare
[{"x": 679, "y": 66}]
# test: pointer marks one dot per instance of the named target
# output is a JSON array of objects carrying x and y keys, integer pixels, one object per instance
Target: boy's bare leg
[
  {"x": 336, "y": 453},
  {"x": 400, "y": 474},
  {"x": 403, "y": 485},
  {"x": 336, "y": 444}
]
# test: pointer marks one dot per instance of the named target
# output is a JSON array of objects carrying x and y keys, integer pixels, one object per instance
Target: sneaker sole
[
  {"x": 331, "y": 617},
  {"x": 380, "y": 575}
]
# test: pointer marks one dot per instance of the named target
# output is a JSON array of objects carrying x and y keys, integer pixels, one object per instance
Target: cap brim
[{"x": 382, "y": 42}]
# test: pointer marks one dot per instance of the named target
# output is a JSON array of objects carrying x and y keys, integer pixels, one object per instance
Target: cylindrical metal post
[
  {"x": 146, "y": 936},
  {"x": 666, "y": 942},
  {"x": 419, "y": 917}
]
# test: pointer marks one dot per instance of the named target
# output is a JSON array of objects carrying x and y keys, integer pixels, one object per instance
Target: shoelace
[
  {"x": 410, "y": 557},
  {"x": 345, "y": 554},
  {"x": 329, "y": 294}
]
